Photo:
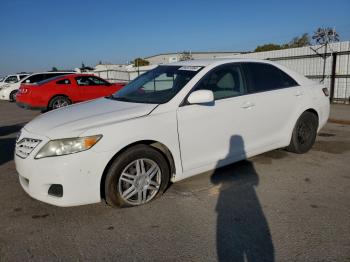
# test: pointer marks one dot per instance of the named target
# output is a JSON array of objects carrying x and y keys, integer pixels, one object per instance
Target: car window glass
[
  {"x": 159, "y": 83},
  {"x": 97, "y": 81},
  {"x": 11, "y": 79},
  {"x": 63, "y": 82},
  {"x": 90, "y": 81},
  {"x": 225, "y": 81},
  {"x": 265, "y": 77},
  {"x": 22, "y": 76},
  {"x": 83, "y": 81},
  {"x": 34, "y": 78}
]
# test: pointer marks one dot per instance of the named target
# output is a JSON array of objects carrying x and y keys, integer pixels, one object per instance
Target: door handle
[{"x": 247, "y": 105}]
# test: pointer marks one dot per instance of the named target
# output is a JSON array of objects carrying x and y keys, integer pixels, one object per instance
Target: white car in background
[
  {"x": 10, "y": 79},
  {"x": 173, "y": 122},
  {"x": 9, "y": 91}
]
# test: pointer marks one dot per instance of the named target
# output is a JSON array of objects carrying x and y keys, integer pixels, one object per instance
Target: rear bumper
[{"x": 28, "y": 106}]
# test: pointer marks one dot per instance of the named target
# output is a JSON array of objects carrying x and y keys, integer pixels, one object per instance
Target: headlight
[{"x": 67, "y": 146}]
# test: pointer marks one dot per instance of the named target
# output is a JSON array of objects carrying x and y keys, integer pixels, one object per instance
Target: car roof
[{"x": 216, "y": 61}]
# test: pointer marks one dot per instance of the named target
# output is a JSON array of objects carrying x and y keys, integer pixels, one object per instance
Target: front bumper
[{"x": 79, "y": 175}]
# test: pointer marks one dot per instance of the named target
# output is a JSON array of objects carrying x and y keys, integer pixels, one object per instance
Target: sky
[{"x": 37, "y": 35}]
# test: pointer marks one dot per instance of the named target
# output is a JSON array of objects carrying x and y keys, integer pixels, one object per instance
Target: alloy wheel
[{"x": 140, "y": 181}]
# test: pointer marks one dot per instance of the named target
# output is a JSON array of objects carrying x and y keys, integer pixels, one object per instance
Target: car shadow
[
  {"x": 7, "y": 130},
  {"x": 7, "y": 144},
  {"x": 7, "y": 147},
  {"x": 242, "y": 231}
]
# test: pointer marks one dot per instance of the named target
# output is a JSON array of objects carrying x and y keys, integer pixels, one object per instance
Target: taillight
[
  {"x": 325, "y": 91},
  {"x": 23, "y": 90}
]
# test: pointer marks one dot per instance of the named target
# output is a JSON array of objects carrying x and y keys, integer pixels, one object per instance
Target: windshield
[{"x": 157, "y": 86}]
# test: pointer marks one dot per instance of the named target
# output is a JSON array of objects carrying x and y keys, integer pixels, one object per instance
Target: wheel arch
[
  {"x": 56, "y": 95},
  {"x": 163, "y": 149},
  {"x": 313, "y": 111}
]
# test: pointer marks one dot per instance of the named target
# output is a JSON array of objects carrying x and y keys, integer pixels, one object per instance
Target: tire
[
  {"x": 123, "y": 175},
  {"x": 13, "y": 95},
  {"x": 304, "y": 133},
  {"x": 58, "y": 102}
]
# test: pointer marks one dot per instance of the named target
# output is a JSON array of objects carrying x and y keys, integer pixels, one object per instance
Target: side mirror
[{"x": 201, "y": 97}]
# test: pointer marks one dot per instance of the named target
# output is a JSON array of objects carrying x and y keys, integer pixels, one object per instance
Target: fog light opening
[{"x": 56, "y": 190}]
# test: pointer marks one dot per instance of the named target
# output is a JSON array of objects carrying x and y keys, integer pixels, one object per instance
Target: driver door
[{"x": 206, "y": 132}]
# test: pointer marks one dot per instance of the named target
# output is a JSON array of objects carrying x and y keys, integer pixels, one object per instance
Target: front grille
[{"x": 25, "y": 146}]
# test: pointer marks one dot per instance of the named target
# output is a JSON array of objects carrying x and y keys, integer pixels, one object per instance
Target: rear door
[{"x": 272, "y": 101}]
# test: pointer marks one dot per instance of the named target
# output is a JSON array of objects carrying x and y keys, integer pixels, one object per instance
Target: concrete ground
[
  {"x": 339, "y": 113},
  {"x": 277, "y": 206}
]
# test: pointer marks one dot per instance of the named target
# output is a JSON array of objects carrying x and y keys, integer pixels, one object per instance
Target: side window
[
  {"x": 83, "y": 80},
  {"x": 97, "y": 81},
  {"x": 63, "y": 82},
  {"x": 11, "y": 79},
  {"x": 265, "y": 77},
  {"x": 225, "y": 81}
]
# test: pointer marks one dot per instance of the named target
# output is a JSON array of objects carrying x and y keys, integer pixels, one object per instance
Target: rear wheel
[
  {"x": 304, "y": 133},
  {"x": 13, "y": 95},
  {"x": 58, "y": 102},
  {"x": 136, "y": 177}
]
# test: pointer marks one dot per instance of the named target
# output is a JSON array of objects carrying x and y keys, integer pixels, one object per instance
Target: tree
[
  {"x": 298, "y": 41},
  {"x": 185, "y": 55},
  {"x": 54, "y": 69},
  {"x": 267, "y": 47},
  {"x": 325, "y": 36},
  {"x": 140, "y": 62},
  {"x": 301, "y": 41}
]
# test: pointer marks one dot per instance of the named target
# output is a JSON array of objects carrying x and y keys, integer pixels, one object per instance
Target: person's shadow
[{"x": 242, "y": 231}]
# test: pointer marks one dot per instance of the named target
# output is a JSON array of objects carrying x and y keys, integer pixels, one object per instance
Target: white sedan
[{"x": 173, "y": 122}]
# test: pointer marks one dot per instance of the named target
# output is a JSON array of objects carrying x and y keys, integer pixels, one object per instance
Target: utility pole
[{"x": 324, "y": 37}]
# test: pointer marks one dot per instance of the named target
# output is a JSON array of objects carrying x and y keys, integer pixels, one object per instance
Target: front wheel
[
  {"x": 304, "y": 133},
  {"x": 136, "y": 177}
]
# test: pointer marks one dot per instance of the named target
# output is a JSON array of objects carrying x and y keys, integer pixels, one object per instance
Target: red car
[{"x": 63, "y": 90}]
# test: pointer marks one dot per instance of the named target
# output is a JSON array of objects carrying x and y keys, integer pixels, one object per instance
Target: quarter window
[
  {"x": 265, "y": 77},
  {"x": 225, "y": 81},
  {"x": 63, "y": 82}
]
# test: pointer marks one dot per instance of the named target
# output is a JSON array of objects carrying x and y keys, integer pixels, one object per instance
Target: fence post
[{"x": 332, "y": 87}]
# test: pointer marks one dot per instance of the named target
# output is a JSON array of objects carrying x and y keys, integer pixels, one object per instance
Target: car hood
[{"x": 73, "y": 120}]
